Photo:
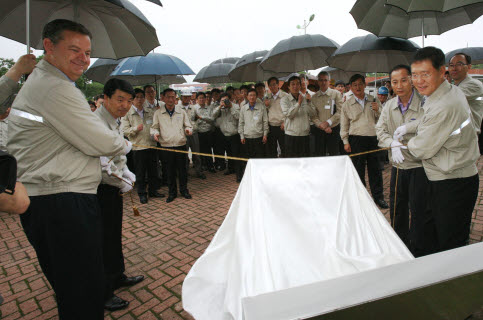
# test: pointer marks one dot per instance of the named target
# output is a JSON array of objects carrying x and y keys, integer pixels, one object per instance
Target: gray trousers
[{"x": 193, "y": 143}]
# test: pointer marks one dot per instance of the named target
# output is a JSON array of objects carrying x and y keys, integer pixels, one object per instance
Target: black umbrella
[
  {"x": 100, "y": 70},
  {"x": 305, "y": 52},
  {"x": 231, "y": 60},
  {"x": 248, "y": 68},
  {"x": 430, "y": 5},
  {"x": 214, "y": 73},
  {"x": 476, "y": 54},
  {"x": 338, "y": 74}
]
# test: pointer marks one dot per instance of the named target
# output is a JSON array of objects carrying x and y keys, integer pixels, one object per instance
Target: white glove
[
  {"x": 400, "y": 132},
  {"x": 128, "y": 147},
  {"x": 106, "y": 165},
  {"x": 397, "y": 156},
  {"x": 126, "y": 187},
  {"x": 129, "y": 175}
]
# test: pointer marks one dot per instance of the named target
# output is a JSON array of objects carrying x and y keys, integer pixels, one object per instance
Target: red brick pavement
[{"x": 162, "y": 244}]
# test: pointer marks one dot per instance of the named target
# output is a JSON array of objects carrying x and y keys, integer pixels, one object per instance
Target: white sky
[{"x": 199, "y": 32}]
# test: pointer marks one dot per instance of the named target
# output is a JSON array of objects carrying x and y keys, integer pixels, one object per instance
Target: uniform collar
[{"x": 103, "y": 113}]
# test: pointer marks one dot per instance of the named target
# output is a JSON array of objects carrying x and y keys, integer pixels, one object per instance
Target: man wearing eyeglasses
[
  {"x": 448, "y": 147},
  {"x": 459, "y": 65}
]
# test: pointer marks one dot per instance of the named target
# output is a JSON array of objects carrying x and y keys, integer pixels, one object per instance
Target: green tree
[{"x": 5, "y": 65}]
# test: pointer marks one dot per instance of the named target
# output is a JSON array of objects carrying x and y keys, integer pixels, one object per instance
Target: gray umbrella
[
  {"x": 383, "y": 20},
  {"x": 100, "y": 70},
  {"x": 231, "y": 60},
  {"x": 248, "y": 68},
  {"x": 338, "y": 74},
  {"x": 430, "y": 5},
  {"x": 119, "y": 29},
  {"x": 370, "y": 54},
  {"x": 476, "y": 54},
  {"x": 214, "y": 73},
  {"x": 305, "y": 52}
]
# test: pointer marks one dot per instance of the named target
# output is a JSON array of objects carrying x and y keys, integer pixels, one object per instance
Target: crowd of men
[{"x": 74, "y": 164}]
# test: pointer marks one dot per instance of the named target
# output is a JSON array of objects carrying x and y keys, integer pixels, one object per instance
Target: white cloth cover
[{"x": 292, "y": 222}]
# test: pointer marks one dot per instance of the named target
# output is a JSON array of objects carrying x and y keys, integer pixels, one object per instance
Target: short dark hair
[
  {"x": 272, "y": 79},
  {"x": 230, "y": 88},
  {"x": 215, "y": 90},
  {"x": 208, "y": 92},
  {"x": 117, "y": 84},
  {"x": 251, "y": 90},
  {"x": 323, "y": 73},
  {"x": 224, "y": 94},
  {"x": 400, "y": 67},
  {"x": 54, "y": 29},
  {"x": 433, "y": 54},
  {"x": 260, "y": 84},
  {"x": 148, "y": 86},
  {"x": 137, "y": 90},
  {"x": 338, "y": 82},
  {"x": 467, "y": 57},
  {"x": 91, "y": 103},
  {"x": 99, "y": 96},
  {"x": 356, "y": 77},
  {"x": 200, "y": 94},
  {"x": 293, "y": 78},
  {"x": 244, "y": 86},
  {"x": 168, "y": 90}
]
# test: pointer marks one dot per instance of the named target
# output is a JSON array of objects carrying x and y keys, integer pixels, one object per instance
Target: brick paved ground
[{"x": 162, "y": 244}]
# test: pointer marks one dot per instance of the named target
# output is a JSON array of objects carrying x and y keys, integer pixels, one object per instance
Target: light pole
[{"x": 306, "y": 24}]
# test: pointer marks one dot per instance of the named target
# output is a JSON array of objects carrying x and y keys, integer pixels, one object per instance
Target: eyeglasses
[
  {"x": 424, "y": 75},
  {"x": 457, "y": 65}
]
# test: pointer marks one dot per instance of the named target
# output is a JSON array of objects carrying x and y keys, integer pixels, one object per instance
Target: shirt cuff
[{"x": 329, "y": 122}]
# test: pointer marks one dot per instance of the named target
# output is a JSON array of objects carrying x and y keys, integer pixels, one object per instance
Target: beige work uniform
[
  {"x": 206, "y": 121},
  {"x": 228, "y": 119},
  {"x": 171, "y": 129},
  {"x": 7, "y": 88},
  {"x": 473, "y": 90},
  {"x": 253, "y": 123},
  {"x": 297, "y": 116},
  {"x": 391, "y": 118},
  {"x": 55, "y": 137},
  {"x": 446, "y": 142},
  {"x": 327, "y": 107},
  {"x": 274, "y": 109},
  {"x": 118, "y": 163},
  {"x": 358, "y": 121},
  {"x": 130, "y": 123}
]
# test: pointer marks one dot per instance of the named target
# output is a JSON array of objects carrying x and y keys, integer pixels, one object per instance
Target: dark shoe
[
  {"x": 381, "y": 203},
  {"x": 228, "y": 172},
  {"x": 115, "y": 303},
  {"x": 143, "y": 199},
  {"x": 129, "y": 281},
  {"x": 212, "y": 170},
  {"x": 186, "y": 194},
  {"x": 201, "y": 176},
  {"x": 170, "y": 198},
  {"x": 156, "y": 195}
]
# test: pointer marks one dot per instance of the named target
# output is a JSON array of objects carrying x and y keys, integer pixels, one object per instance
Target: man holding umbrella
[
  {"x": 358, "y": 119},
  {"x": 57, "y": 141}
]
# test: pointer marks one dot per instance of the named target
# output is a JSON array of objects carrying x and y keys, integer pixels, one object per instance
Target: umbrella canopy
[
  {"x": 154, "y": 67},
  {"x": 150, "y": 79},
  {"x": 338, "y": 74},
  {"x": 308, "y": 76},
  {"x": 231, "y": 60},
  {"x": 156, "y": 2},
  {"x": 388, "y": 21},
  {"x": 100, "y": 70},
  {"x": 248, "y": 68},
  {"x": 119, "y": 29},
  {"x": 476, "y": 54},
  {"x": 373, "y": 54},
  {"x": 430, "y": 5},
  {"x": 214, "y": 73},
  {"x": 305, "y": 52}
]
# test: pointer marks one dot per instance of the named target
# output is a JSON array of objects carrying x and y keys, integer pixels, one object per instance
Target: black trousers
[
  {"x": 412, "y": 193},
  {"x": 296, "y": 146},
  {"x": 163, "y": 177},
  {"x": 65, "y": 230},
  {"x": 275, "y": 136},
  {"x": 253, "y": 148},
  {"x": 176, "y": 166},
  {"x": 145, "y": 161},
  {"x": 110, "y": 202},
  {"x": 219, "y": 147},
  {"x": 452, "y": 202},
  {"x": 313, "y": 137},
  {"x": 367, "y": 143},
  {"x": 206, "y": 143},
  {"x": 327, "y": 143},
  {"x": 234, "y": 144}
]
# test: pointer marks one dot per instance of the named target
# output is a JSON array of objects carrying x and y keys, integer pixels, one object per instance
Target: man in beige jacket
[
  {"x": 327, "y": 103},
  {"x": 136, "y": 126},
  {"x": 358, "y": 121},
  {"x": 412, "y": 183},
  {"x": 170, "y": 127},
  {"x": 57, "y": 141},
  {"x": 276, "y": 119},
  {"x": 447, "y": 144}
]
